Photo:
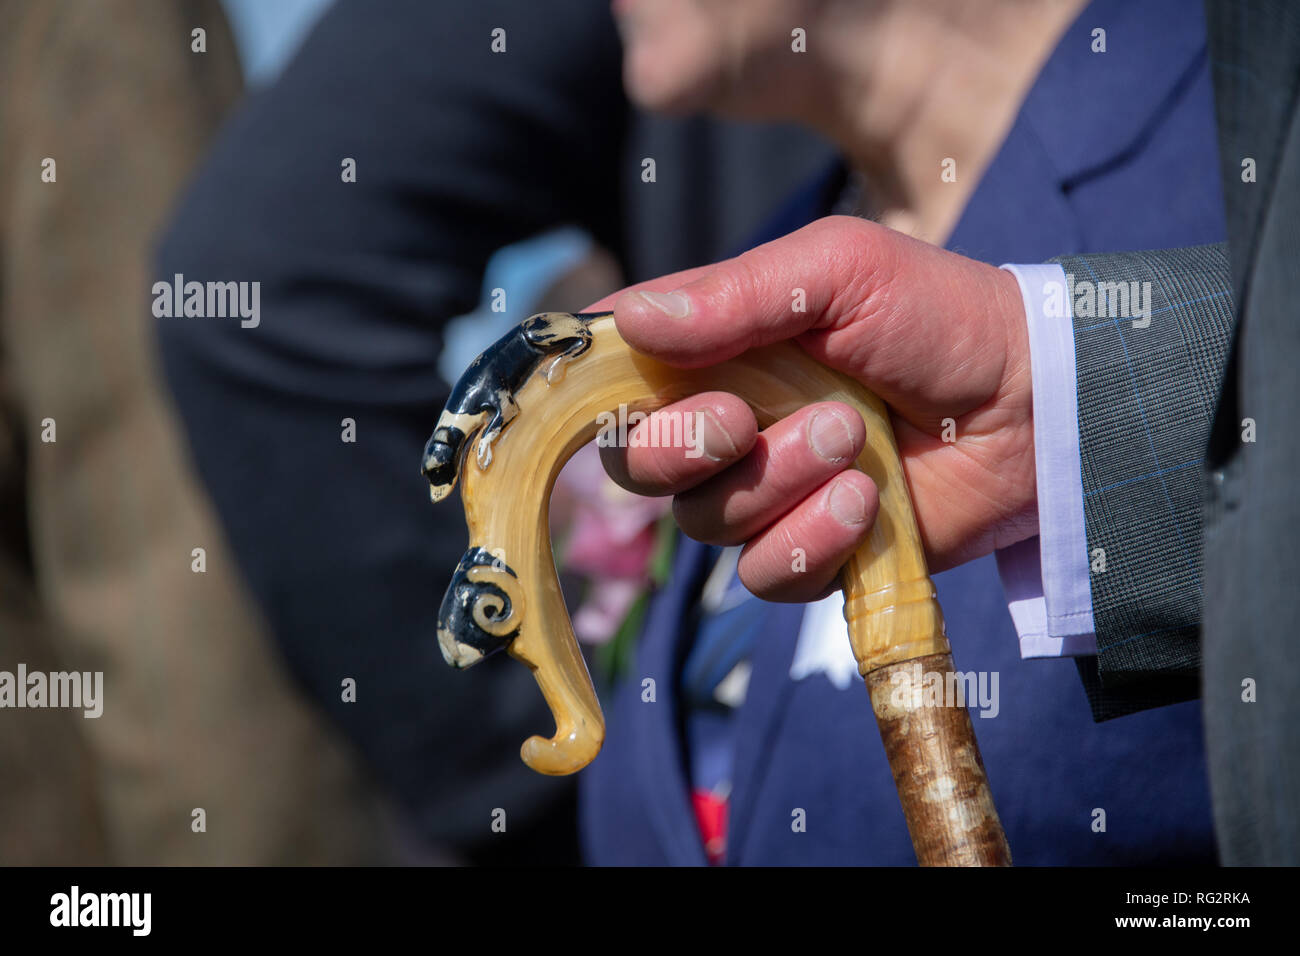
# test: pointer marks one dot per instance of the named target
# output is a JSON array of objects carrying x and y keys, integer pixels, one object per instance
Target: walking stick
[{"x": 532, "y": 399}]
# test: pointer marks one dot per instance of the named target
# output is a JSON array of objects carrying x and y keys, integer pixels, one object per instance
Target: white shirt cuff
[{"x": 1046, "y": 579}]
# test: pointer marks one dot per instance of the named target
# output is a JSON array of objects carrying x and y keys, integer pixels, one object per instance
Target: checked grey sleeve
[{"x": 1151, "y": 334}]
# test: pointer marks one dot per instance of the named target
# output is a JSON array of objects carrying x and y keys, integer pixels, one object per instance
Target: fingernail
[
  {"x": 715, "y": 441},
  {"x": 847, "y": 504},
  {"x": 670, "y": 303},
  {"x": 829, "y": 435}
]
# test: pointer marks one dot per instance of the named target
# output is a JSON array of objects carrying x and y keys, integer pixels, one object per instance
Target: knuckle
[{"x": 700, "y": 517}]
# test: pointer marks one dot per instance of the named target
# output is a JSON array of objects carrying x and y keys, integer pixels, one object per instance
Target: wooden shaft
[
  {"x": 549, "y": 412},
  {"x": 937, "y": 768}
]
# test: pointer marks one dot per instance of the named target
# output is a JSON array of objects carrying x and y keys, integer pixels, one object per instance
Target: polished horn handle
[{"x": 533, "y": 398}]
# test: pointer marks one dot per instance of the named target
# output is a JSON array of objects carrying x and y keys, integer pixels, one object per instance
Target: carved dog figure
[{"x": 484, "y": 397}]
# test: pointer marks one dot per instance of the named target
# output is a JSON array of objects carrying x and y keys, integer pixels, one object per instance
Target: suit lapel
[
  {"x": 1254, "y": 112},
  {"x": 660, "y": 762},
  {"x": 770, "y": 689}
]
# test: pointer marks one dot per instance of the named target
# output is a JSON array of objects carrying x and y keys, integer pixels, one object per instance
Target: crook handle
[{"x": 533, "y": 398}]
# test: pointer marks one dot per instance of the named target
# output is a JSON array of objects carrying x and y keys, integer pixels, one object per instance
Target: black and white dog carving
[{"x": 484, "y": 397}]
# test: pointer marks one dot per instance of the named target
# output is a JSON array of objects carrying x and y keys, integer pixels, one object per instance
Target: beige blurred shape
[{"x": 96, "y": 529}]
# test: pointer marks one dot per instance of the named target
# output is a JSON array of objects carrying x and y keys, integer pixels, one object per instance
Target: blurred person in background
[
  {"x": 111, "y": 560},
  {"x": 1011, "y": 132}
]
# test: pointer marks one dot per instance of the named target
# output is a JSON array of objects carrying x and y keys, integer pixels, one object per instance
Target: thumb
[
  {"x": 931, "y": 332},
  {"x": 810, "y": 279}
]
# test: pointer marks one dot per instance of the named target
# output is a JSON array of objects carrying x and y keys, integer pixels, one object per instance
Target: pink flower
[{"x": 609, "y": 537}]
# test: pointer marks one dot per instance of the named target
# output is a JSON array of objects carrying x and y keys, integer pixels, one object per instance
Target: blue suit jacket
[{"x": 1110, "y": 151}]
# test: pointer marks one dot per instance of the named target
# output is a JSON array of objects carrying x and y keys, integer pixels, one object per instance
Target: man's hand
[{"x": 940, "y": 338}]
